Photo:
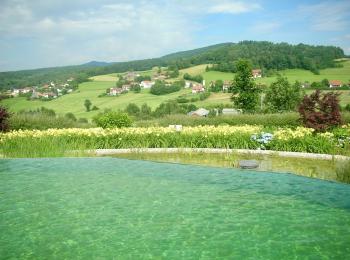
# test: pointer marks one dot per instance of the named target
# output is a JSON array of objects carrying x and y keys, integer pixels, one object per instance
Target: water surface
[{"x": 130, "y": 209}]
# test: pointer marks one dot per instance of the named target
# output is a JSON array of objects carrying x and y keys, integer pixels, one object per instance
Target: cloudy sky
[{"x": 45, "y": 33}]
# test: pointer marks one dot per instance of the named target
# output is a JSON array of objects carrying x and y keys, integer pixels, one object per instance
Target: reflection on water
[{"x": 315, "y": 168}]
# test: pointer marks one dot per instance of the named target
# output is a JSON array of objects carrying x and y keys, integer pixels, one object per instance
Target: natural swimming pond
[
  {"x": 91, "y": 208},
  {"x": 334, "y": 170}
]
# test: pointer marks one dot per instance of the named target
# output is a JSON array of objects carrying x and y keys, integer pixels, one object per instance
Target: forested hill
[
  {"x": 267, "y": 55},
  {"x": 264, "y": 55}
]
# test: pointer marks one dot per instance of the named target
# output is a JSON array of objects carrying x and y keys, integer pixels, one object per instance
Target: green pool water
[{"x": 105, "y": 208}]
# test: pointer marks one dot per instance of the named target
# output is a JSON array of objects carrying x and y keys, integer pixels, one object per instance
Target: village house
[
  {"x": 126, "y": 87},
  {"x": 115, "y": 91},
  {"x": 159, "y": 77},
  {"x": 147, "y": 84},
  {"x": 226, "y": 86},
  {"x": 26, "y": 90},
  {"x": 197, "y": 88},
  {"x": 188, "y": 84},
  {"x": 59, "y": 91},
  {"x": 257, "y": 73},
  {"x": 35, "y": 95},
  {"x": 130, "y": 76},
  {"x": 202, "y": 112},
  {"x": 335, "y": 84},
  {"x": 47, "y": 95},
  {"x": 70, "y": 79},
  {"x": 15, "y": 92}
]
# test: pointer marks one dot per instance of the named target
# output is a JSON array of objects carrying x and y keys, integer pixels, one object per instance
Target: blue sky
[{"x": 40, "y": 33}]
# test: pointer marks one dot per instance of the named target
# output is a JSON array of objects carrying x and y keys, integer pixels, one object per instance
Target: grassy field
[
  {"x": 113, "y": 77},
  {"x": 108, "y": 77},
  {"x": 342, "y": 74},
  {"x": 74, "y": 102}
]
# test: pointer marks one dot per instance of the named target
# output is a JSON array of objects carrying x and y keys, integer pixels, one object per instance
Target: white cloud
[
  {"x": 109, "y": 32},
  {"x": 265, "y": 27},
  {"x": 235, "y": 7},
  {"x": 327, "y": 16}
]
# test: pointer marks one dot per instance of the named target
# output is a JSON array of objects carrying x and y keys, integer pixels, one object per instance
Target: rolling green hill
[
  {"x": 265, "y": 55},
  {"x": 91, "y": 90},
  {"x": 340, "y": 73},
  {"x": 74, "y": 102}
]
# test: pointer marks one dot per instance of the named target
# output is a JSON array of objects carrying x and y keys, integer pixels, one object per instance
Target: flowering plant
[{"x": 263, "y": 139}]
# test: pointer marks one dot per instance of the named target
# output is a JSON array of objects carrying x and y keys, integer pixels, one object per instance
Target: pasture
[
  {"x": 74, "y": 102},
  {"x": 293, "y": 75}
]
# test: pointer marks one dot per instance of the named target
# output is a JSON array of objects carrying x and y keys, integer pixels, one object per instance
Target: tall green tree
[
  {"x": 217, "y": 86},
  {"x": 245, "y": 92},
  {"x": 87, "y": 104},
  {"x": 283, "y": 96}
]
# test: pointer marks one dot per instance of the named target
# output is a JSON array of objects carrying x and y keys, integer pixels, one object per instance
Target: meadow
[
  {"x": 342, "y": 73},
  {"x": 74, "y": 102}
]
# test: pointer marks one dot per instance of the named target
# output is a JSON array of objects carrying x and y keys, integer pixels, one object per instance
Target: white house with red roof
[
  {"x": 147, "y": 84},
  {"x": 197, "y": 88},
  {"x": 115, "y": 91},
  {"x": 335, "y": 83}
]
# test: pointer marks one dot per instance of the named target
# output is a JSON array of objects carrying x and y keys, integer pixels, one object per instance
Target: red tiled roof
[
  {"x": 335, "y": 82},
  {"x": 197, "y": 87}
]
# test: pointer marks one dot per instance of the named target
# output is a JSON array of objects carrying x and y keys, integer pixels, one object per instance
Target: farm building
[
  {"x": 147, "y": 84},
  {"x": 197, "y": 88},
  {"x": 231, "y": 111},
  {"x": 257, "y": 73},
  {"x": 115, "y": 91},
  {"x": 199, "y": 112},
  {"x": 227, "y": 84},
  {"x": 335, "y": 83}
]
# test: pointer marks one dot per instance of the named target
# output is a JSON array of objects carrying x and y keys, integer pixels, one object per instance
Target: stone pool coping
[{"x": 101, "y": 152}]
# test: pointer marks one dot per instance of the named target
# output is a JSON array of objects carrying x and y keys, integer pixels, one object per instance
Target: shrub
[
  {"x": 145, "y": 111},
  {"x": 267, "y": 120},
  {"x": 113, "y": 119},
  {"x": 41, "y": 122},
  {"x": 320, "y": 111},
  {"x": 347, "y": 107},
  {"x": 197, "y": 78},
  {"x": 136, "y": 88},
  {"x": 132, "y": 109},
  {"x": 83, "y": 120},
  {"x": 70, "y": 116},
  {"x": 159, "y": 88},
  {"x": 168, "y": 108},
  {"x": 204, "y": 95},
  {"x": 182, "y": 99},
  {"x": 94, "y": 108},
  {"x": 87, "y": 104},
  {"x": 4, "y": 116}
]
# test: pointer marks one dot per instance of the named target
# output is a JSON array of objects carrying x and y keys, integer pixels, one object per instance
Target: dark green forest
[{"x": 264, "y": 55}]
